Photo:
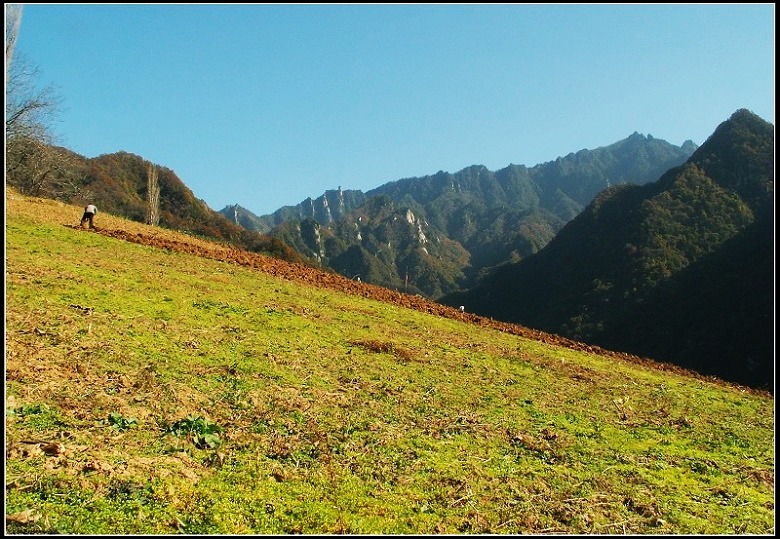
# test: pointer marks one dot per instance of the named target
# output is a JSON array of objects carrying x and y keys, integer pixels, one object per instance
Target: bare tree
[
  {"x": 32, "y": 164},
  {"x": 29, "y": 111},
  {"x": 38, "y": 169},
  {"x": 153, "y": 194},
  {"x": 31, "y": 161}
]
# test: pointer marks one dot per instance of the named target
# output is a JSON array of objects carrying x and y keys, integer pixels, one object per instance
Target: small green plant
[
  {"x": 203, "y": 433},
  {"x": 28, "y": 409},
  {"x": 121, "y": 423},
  {"x": 39, "y": 417}
]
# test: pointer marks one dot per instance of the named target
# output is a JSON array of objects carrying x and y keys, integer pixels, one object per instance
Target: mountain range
[{"x": 437, "y": 234}]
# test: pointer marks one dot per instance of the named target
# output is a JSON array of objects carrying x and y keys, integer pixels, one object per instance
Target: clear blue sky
[{"x": 266, "y": 105}]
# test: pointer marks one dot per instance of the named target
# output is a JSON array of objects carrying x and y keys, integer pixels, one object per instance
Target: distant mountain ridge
[
  {"x": 680, "y": 269},
  {"x": 471, "y": 220},
  {"x": 635, "y": 158}
]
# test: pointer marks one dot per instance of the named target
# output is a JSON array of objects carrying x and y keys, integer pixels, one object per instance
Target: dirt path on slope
[{"x": 316, "y": 277}]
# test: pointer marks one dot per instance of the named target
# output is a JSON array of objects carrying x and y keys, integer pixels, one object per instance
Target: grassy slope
[{"x": 336, "y": 413}]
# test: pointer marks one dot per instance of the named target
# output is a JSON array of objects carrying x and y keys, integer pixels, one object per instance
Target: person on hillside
[{"x": 89, "y": 215}]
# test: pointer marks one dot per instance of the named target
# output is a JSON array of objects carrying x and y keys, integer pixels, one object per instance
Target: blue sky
[{"x": 264, "y": 105}]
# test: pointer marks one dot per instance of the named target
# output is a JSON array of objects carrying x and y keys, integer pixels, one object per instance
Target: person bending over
[{"x": 89, "y": 215}]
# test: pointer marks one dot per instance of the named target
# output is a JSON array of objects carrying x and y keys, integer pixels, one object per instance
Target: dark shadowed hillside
[
  {"x": 678, "y": 270},
  {"x": 715, "y": 316}
]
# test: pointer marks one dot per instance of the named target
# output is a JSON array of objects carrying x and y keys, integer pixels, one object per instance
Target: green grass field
[{"x": 154, "y": 392}]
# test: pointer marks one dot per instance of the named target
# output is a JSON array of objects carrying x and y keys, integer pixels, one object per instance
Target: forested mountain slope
[
  {"x": 680, "y": 269},
  {"x": 119, "y": 183}
]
